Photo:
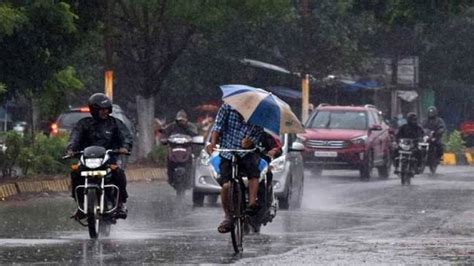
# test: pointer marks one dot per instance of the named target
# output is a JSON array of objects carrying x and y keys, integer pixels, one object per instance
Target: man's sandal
[{"x": 225, "y": 226}]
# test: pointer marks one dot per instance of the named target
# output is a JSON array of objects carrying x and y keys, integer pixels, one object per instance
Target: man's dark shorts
[{"x": 247, "y": 165}]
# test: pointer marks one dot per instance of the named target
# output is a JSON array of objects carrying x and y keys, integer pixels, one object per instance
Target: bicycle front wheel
[{"x": 237, "y": 214}]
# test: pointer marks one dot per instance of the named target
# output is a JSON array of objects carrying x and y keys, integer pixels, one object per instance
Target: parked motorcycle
[
  {"x": 98, "y": 197},
  {"x": 180, "y": 161},
  {"x": 407, "y": 162}
]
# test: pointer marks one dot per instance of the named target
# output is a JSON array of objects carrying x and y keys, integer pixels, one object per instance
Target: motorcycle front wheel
[{"x": 92, "y": 217}]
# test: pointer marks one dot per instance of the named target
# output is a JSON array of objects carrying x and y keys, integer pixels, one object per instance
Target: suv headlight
[
  {"x": 93, "y": 163},
  {"x": 359, "y": 140},
  {"x": 278, "y": 164}
]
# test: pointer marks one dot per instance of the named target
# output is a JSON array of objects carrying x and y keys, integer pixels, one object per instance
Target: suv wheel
[
  {"x": 284, "y": 202},
  {"x": 367, "y": 169},
  {"x": 316, "y": 171},
  {"x": 384, "y": 170}
]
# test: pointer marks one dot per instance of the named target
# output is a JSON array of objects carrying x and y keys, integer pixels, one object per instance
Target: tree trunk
[{"x": 146, "y": 119}]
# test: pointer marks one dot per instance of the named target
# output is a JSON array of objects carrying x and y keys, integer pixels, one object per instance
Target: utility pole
[
  {"x": 304, "y": 97},
  {"x": 304, "y": 75}
]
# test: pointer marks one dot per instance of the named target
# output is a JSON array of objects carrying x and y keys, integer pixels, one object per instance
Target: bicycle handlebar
[{"x": 236, "y": 150}]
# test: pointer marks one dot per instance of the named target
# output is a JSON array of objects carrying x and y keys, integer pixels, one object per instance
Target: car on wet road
[{"x": 347, "y": 137}]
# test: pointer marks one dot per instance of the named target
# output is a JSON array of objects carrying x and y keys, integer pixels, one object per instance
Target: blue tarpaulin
[{"x": 362, "y": 84}]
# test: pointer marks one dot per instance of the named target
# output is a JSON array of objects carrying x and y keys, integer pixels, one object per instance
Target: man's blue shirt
[{"x": 232, "y": 129}]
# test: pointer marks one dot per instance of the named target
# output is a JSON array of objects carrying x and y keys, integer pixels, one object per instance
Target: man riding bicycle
[{"x": 230, "y": 131}]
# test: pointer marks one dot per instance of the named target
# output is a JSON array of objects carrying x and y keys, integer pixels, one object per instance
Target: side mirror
[
  {"x": 297, "y": 146},
  {"x": 376, "y": 128},
  {"x": 198, "y": 140}
]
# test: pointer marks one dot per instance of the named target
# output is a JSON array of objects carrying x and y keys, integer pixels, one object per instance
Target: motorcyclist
[
  {"x": 270, "y": 148},
  {"x": 435, "y": 124},
  {"x": 179, "y": 126},
  {"x": 410, "y": 130},
  {"x": 103, "y": 130}
]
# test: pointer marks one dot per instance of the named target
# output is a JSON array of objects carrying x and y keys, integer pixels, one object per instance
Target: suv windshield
[
  {"x": 339, "y": 120},
  {"x": 69, "y": 120}
]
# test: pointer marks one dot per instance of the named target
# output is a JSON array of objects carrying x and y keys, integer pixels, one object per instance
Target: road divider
[
  {"x": 457, "y": 159},
  {"x": 7, "y": 190},
  {"x": 64, "y": 184}
]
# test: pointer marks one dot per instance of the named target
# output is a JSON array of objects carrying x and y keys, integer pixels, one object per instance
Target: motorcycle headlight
[
  {"x": 405, "y": 147},
  {"x": 93, "y": 163},
  {"x": 204, "y": 158},
  {"x": 359, "y": 140},
  {"x": 278, "y": 164}
]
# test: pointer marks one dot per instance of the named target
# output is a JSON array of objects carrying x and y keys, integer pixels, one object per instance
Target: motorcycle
[
  {"x": 180, "y": 161},
  {"x": 406, "y": 160},
  {"x": 429, "y": 153},
  {"x": 97, "y": 198}
]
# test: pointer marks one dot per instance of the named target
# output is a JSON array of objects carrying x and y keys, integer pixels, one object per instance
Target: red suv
[{"x": 347, "y": 137}]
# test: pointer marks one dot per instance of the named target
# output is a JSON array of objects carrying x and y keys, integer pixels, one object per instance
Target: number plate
[{"x": 325, "y": 154}]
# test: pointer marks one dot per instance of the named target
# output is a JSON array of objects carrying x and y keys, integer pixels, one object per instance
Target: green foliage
[
  {"x": 53, "y": 97},
  {"x": 158, "y": 155},
  {"x": 37, "y": 50},
  {"x": 13, "y": 141},
  {"x": 455, "y": 143},
  {"x": 11, "y": 19},
  {"x": 41, "y": 157}
]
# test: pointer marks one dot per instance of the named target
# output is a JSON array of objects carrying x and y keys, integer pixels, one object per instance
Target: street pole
[
  {"x": 304, "y": 97},
  {"x": 109, "y": 77}
]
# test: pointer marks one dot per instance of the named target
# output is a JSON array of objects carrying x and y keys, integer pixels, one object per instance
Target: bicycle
[{"x": 237, "y": 200}]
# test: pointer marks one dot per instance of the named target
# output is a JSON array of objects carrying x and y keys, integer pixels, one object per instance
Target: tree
[
  {"x": 152, "y": 35},
  {"x": 35, "y": 48}
]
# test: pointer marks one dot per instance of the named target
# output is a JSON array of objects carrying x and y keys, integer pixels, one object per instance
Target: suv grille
[{"x": 326, "y": 144}]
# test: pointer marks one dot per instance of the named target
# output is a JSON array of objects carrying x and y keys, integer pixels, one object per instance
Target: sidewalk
[{"x": 62, "y": 185}]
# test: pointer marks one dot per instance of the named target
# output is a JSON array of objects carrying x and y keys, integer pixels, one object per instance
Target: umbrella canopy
[{"x": 262, "y": 108}]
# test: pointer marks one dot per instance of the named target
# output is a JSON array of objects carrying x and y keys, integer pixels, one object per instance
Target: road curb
[{"x": 63, "y": 185}]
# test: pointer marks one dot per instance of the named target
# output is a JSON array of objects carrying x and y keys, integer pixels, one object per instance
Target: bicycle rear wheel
[{"x": 236, "y": 211}]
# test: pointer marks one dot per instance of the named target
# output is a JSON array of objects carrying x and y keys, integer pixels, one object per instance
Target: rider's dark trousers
[{"x": 118, "y": 178}]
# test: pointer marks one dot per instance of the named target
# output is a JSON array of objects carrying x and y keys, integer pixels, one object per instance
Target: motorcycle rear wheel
[{"x": 92, "y": 219}]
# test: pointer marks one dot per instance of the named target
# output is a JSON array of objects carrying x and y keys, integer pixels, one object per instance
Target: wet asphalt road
[{"x": 342, "y": 221}]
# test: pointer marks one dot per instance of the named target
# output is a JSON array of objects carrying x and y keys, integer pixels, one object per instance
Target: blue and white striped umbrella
[{"x": 262, "y": 108}]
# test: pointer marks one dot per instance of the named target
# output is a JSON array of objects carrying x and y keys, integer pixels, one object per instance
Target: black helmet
[
  {"x": 412, "y": 118},
  {"x": 99, "y": 101},
  {"x": 432, "y": 112}
]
